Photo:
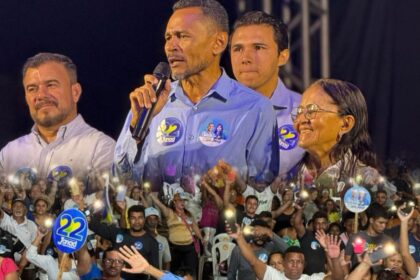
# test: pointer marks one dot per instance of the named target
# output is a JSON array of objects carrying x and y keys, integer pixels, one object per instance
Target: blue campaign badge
[
  {"x": 169, "y": 131},
  {"x": 213, "y": 132},
  {"x": 315, "y": 245},
  {"x": 26, "y": 173},
  {"x": 61, "y": 174},
  {"x": 2, "y": 249},
  {"x": 288, "y": 137},
  {"x": 357, "y": 199},
  {"x": 138, "y": 245},
  {"x": 412, "y": 249},
  {"x": 70, "y": 230},
  {"x": 160, "y": 246},
  {"x": 119, "y": 238},
  {"x": 49, "y": 252},
  {"x": 263, "y": 257}
]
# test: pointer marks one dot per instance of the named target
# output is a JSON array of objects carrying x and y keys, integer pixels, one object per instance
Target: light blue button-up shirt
[
  {"x": 231, "y": 122},
  {"x": 284, "y": 100}
]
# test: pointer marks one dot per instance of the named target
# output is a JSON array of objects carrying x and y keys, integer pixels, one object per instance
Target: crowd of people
[{"x": 277, "y": 161}]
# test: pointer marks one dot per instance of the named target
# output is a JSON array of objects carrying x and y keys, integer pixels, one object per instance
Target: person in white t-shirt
[{"x": 294, "y": 261}]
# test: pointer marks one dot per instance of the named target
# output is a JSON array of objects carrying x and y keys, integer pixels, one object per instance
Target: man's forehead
[
  {"x": 112, "y": 255},
  {"x": 184, "y": 19},
  {"x": 253, "y": 33},
  {"x": 46, "y": 71}
]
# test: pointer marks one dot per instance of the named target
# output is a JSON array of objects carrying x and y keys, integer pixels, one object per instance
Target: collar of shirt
[
  {"x": 65, "y": 131},
  {"x": 282, "y": 97},
  {"x": 220, "y": 90}
]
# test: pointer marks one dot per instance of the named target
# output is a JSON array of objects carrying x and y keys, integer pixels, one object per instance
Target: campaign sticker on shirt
[
  {"x": 138, "y": 245},
  {"x": 357, "y": 199},
  {"x": 263, "y": 257},
  {"x": 61, "y": 174},
  {"x": 246, "y": 221},
  {"x": 315, "y": 245},
  {"x": 2, "y": 249},
  {"x": 412, "y": 249},
  {"x": 49, "y": 252},
  {"x": 288, "y": 137},
  {"x": 119, "y": 238},
  {"x": 213, "y": 132},
  {"x": 70, "y": 230},
  {"x": 26, "y": 173},
  {"x": 169, "y": 131},
  {"x": 160, "y": 246}
]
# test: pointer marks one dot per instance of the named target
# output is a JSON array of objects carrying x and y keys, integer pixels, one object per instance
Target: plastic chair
[
  {"x": 221, "y": 237},
  {"x": 220, "y": 252},
  {"x": 208, "y": 234}
]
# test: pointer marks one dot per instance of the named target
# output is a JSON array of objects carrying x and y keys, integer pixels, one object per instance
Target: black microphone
[{"x": 162, "y": 72}]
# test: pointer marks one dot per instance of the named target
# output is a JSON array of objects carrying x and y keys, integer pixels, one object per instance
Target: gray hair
[
  {"x": 41, "y": 58},
  {"x": 211, "y": 9}
]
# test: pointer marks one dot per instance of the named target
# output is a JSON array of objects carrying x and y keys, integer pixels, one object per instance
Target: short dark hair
[
  {"x": 211, "y": 9},
  {"x": 274, "y": 253},
  {"x": 135, "y": 208},
  {"x": 251, "y": 197},
  {"x": 265, "y": 214},
  {"x": 348, "y": 216},
  {"x": 381, "y": 191},
  {"x": 261, "y": 18},
  {"x": 260, "y": 223},
  {"x": 293, "y": 249},
  {"x": 377, "y": 211},
  {"x": 320, "y": 215},
  {"x": 42, "y": 58}
]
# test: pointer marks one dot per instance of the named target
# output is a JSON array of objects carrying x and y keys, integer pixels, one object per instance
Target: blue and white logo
[
  {"x": 160, "y": 246},
  {"x": 315, "y": 245},
  {"x": 213, "y": 132},
  {"x": 263, "y": 257},
  {"x": 70, "y": 230},
  {"x": 119, "y": 238},
  {"x": 169, "y": 131},
  {"x": 138, "y": 245},
  {"x": 61, "y": 174},
  {"x": 412, "y": 249},
  {"x": 357, "y": 199},
  {"x": 288, "y": 137}
]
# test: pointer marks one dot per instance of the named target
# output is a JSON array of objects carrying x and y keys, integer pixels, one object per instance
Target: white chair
[
  {"x": 208, "y": 234},
  {"x": 221, "y": 237},
  {"x": 220, "y": 252}
]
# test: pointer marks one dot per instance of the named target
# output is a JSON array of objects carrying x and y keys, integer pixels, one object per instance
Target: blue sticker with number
[
  {"x": 61, "y": 174},
  {"x": 288, "y": 137},
  {"x": 70, "y": 231}
]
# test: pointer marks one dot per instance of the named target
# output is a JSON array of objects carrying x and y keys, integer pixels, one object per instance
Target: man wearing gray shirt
[{"x": 60, "y": 137}]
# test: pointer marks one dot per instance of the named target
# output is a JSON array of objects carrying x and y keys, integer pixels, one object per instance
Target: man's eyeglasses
[
  {"x": 109, "y": 262},
  {"x": 309, "y": 111}
]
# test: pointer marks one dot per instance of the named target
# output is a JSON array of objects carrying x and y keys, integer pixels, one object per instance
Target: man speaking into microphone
[{"x": 202, "y": 117}]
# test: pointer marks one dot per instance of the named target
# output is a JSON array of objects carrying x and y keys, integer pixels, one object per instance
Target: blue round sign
[
  {"x": 28, "y": 173},
  {"x": 357, "y": 199},
  {"x": 70, "y": 230},
  {"x": 61, "y": 174}
]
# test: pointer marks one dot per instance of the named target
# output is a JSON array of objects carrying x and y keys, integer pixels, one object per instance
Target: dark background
[{"x": 374, "y": 44}]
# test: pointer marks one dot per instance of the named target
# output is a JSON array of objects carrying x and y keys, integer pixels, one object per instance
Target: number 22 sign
[{"x": 70, "y": 230}]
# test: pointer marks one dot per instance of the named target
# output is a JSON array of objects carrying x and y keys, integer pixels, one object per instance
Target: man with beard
[
  {"x": 134, "y": 236},
  {"x": 60, "y": 136},
  {"x": 112, "y": 265},
  {"x": 239, "y": 268}
]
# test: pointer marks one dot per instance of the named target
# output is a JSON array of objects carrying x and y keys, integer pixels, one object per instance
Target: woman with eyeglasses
[{"x": 332, "y": 123}]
